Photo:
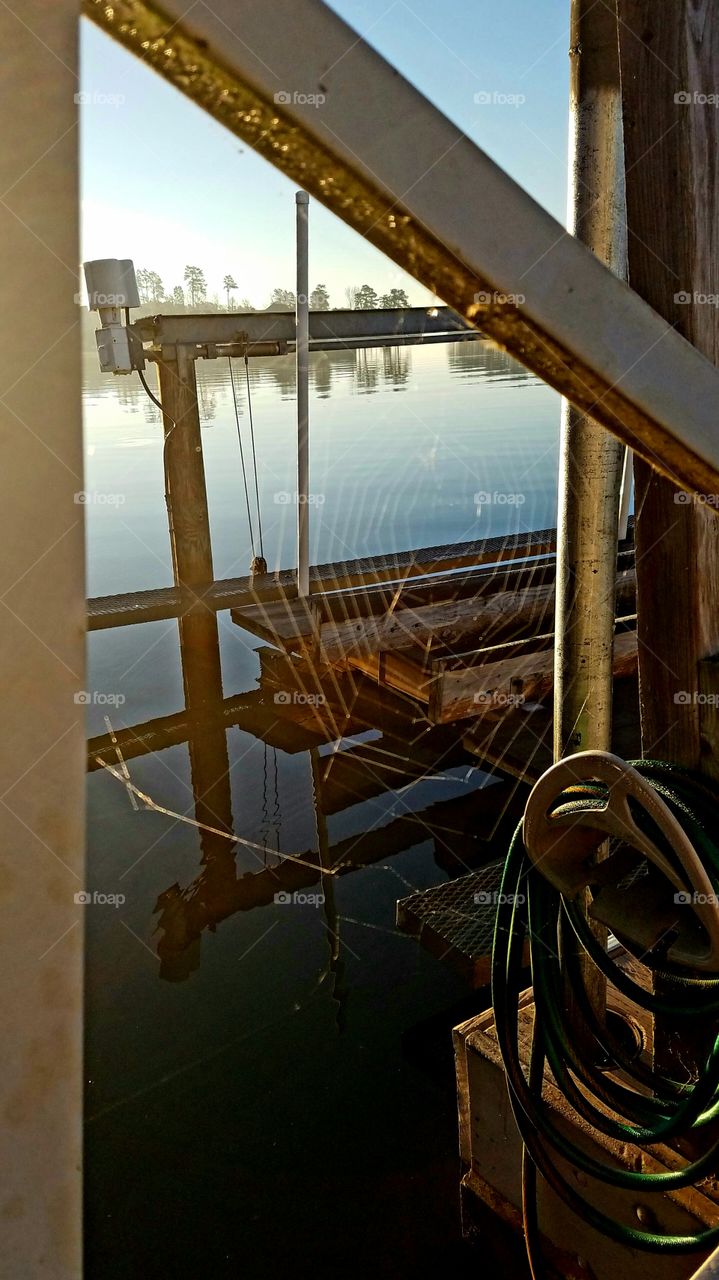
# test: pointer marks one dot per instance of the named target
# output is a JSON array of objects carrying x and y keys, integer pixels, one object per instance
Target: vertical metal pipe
[
  {"x": 590, "y": 458},
  {"x": 303, "y": 405}
]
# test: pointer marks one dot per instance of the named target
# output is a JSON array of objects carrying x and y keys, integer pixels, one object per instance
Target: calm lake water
[{"x": 273, "y": 1085}]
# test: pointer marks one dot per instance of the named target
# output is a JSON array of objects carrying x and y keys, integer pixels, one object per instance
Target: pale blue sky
[{"x": 165, "y": 185}]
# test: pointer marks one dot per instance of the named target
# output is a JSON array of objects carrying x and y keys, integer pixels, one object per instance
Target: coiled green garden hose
[{"x": 661, "y": 1109}]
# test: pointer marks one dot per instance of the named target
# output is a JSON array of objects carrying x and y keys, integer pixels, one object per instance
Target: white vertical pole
[
  {"x": 590, "y": 459},
  {"x": 42, "y": 745},
  {"x": 625, "y": 493},
  {"x": 303, "y": 406}
]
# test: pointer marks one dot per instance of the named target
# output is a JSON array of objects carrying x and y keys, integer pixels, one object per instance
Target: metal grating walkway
[{"x": 454, "y": 921}]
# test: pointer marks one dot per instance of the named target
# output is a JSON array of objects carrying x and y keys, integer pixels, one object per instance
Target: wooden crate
[{"x": 490, "y": 1151}]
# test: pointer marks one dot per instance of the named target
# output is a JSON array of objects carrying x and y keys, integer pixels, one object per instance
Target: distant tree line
[{"x": 193, "y": 293}]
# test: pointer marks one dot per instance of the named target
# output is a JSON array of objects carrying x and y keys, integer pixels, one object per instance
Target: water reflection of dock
[{"x": 289, "y": 712}]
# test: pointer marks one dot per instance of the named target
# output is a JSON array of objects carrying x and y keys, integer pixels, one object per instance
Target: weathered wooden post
[
  {"x": 671, "y": 131},
  {"x": 189, "y": 524},
  {"x": 188, "y": 517},
  {"x": 186, "y": 497}
]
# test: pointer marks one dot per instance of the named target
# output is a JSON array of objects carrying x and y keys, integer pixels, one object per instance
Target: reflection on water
[
  {"x": 249, "y": 1000},
  {"x": 353, "y": 372},
  {"x": 389, "y": 471},
  {"x": 269, "y": 1059}
]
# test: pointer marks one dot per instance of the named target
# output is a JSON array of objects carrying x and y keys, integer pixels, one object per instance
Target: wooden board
[
  {"x": 438, "y": 613},
  {"x": 482, "y": 620},
  {"x": 308, "y": 626},
  {"x": 490, "y": 1152},
  {"x": 501, "y": 688},
  {"x": 169, "y": 602}
]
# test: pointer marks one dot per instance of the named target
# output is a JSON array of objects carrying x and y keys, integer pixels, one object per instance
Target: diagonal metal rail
[{"x": 306, "y": 92}]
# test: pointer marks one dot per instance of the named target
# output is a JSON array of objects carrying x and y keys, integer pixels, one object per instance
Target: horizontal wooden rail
[{"x": 134, "y": 607}]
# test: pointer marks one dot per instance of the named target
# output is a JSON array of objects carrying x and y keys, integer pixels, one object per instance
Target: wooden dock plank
[
  {"x": 501, "y": 687},
  {"x": 486, "y": 618},
  {"x": 170, "y": 602}
]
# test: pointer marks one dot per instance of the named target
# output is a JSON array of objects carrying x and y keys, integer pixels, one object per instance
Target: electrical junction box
[{"x": 113, "y": 348}]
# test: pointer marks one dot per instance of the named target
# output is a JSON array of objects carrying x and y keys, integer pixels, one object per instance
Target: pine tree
[
  {"x": 195, "y": 280},
  {"x": 319, "y": 298},
  {"x": 283, "y": 298},
  {"x": 367, "y": 299},
  {"x": 395, "y": 298},
  {"x": 229, "y": 283}
]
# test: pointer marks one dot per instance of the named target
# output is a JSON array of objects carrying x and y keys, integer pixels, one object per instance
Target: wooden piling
[
  {"x": 671, "y": 135},
  {"x": 189, "y": 524},
  {"x": 188, "y": 518},
  {"x": 673, "y": 208}
]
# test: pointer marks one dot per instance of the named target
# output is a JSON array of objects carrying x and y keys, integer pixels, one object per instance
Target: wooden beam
[
  {"x": 134, "y": 607},
  {"x": 299, "y": 625},
  {"x": 509, "y": 268},
  {"x": 365, "y": 706},
  {"x": 397, "y": 671},
  {"x": 491, "y": 619},
  {"x": 708, "y": 699},
  {"x": 502, "y": 687},
  {"x": 310, "y": 627}
]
